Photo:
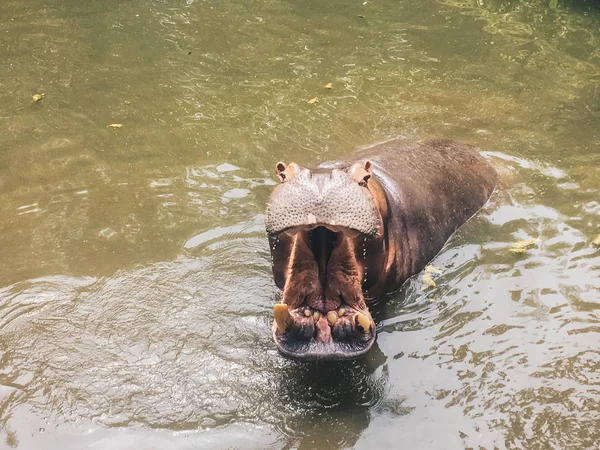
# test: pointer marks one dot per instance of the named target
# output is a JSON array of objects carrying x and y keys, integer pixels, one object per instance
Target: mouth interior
[
  {"x": 322, "y": 241},
  {"x": 323, "y": 315}
]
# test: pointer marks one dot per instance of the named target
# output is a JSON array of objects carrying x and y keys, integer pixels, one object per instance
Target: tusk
[
  {"x": 282, "y": 317},
  {"x": 332, "y": 317},
  {"x": 363, "y": 322}
]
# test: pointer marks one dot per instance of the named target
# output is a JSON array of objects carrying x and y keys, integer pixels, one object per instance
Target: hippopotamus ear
[
  {"x": 361, "y": 172},
  {"x": 280, "y": 170},
  {"x": 285, "y": 173}
]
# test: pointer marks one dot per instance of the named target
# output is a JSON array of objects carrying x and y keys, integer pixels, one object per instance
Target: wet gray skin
[{"x": 136, "y": 292}]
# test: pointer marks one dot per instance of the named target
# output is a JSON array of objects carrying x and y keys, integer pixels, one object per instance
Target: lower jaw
[
  {"x": 325, "y": 344},
  {"x": 314, "y": 350}
]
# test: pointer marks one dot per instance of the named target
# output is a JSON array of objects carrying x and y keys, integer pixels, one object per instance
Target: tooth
[
  {"x": 341, "y": 312},
  {"x": 307, "y": 313},
  {"x": 363, "y": 322},
  {"x": 332, "y": 317},
  {"x": 316, "y": 316},
  {"x": 282, "y": 317}
]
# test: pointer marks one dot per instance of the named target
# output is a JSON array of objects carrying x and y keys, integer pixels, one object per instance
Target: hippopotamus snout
[{"x": 333, "y": 197}]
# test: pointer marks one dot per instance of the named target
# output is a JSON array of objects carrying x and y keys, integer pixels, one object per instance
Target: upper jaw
[{"x": 301, "y": 204}]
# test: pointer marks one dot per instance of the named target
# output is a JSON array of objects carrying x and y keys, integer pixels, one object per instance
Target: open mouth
[{"x": 323, "y": 314}]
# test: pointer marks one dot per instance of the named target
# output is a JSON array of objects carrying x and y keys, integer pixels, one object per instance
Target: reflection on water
[
  {"x": 164, "y": 343},
  {"x": 135, "y": 284}
]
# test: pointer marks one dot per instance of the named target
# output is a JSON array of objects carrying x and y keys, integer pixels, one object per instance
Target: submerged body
[{"x": 345, "y": 233}]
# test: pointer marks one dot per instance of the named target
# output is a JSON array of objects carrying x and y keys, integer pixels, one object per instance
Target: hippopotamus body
[{"x": 343, "y": 234}]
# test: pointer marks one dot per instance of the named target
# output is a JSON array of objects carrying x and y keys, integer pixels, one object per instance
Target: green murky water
[{"x": 135, "y": 286}]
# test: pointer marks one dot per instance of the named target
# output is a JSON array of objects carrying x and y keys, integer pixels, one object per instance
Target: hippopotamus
[{"x": 343, "y": 234}]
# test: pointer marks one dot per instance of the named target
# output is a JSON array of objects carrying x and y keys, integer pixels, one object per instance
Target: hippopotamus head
[{"x": 322, "y": 226}]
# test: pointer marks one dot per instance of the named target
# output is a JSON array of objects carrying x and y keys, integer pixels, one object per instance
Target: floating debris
[
  {"x": 596, "y": 241},
  {"x": 427, "y": 281},
  {"x": 312, "y": 101},
  {"x": 433, "y": 269},
  {"x": 427, "y": 278},
  {"x": 522, "y": 246},
  {"x": 116, "y": 125},
  {"x": 328, "y": 85},
  {"x": 37, "y": 97}
]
